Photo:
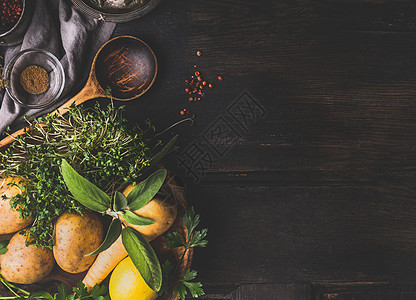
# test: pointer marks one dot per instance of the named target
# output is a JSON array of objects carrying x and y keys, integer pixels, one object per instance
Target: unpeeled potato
[
  {"x": 25, "y": 265},
  {"x": 75, "y": 236},
  {"x": 162, "y": 211},
  {"x": 10, "y": 220}
]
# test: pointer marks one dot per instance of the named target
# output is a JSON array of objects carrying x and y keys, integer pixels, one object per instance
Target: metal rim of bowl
[
  {"x": 116, "y": 17},
  {"x": 58, "y": 65},
  {"x": 17, "y": 24}
]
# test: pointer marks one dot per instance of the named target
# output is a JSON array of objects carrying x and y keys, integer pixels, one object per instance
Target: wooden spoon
[{"x": 126, "y": 64}]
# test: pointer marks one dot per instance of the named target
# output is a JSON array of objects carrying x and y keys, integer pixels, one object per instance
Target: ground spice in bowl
[{"x": 34, "y": 80}]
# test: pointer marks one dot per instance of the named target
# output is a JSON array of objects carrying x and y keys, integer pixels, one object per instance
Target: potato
[
  {"x": 75, "y": 236},
  {"x": 10, "y": 220},
  {"x": 25, "y": 265},
  {"x": 162, "y": 211}
]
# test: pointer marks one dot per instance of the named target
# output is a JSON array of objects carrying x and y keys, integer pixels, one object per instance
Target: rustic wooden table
[{"x": 302, "y": 160}]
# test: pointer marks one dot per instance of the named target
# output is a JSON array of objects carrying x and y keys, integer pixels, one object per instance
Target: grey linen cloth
[{"x": 72, "y": 37}]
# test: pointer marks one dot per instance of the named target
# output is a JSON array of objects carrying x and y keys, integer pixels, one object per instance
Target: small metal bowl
[
  {"x": 43, "y": 59},
  {"x": 116, "y": 14},
  {"x": 10, "y": 36}
]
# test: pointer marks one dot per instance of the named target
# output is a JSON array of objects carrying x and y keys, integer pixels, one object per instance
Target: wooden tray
[{"x": 58, "y": 276}]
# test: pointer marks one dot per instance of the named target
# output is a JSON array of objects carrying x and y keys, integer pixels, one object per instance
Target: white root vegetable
[{"x": 162, "y": 212}]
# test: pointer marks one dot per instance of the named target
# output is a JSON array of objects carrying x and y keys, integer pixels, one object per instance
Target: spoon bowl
[{"x": 125, "y": 64}]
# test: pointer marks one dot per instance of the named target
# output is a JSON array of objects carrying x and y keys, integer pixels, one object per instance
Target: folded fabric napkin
[{"x": 72, "y": 37}]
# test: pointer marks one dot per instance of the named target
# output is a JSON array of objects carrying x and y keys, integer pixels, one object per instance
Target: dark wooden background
[{"x": 315, "y": 199}]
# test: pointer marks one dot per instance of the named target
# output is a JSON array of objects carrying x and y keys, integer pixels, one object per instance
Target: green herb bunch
[
  {"x": 99, "y": 142},
  {"x": 79, "y": 292}
]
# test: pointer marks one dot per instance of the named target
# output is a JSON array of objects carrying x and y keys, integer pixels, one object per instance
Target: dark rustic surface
[{"x": 319, "y": 188}]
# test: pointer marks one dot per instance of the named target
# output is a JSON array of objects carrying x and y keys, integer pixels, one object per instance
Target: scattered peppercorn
[
  {"x": 185, "y": 111},
  {"x": 195, "y": 85}
]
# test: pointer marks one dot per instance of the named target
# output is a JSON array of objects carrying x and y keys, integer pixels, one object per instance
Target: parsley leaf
[
  {"x": 198, "y": 239},
  {"x": 80, "y": 290},
  {"x": 173, "y": 240},
  {"x": 41, "y": 295},
  {"x": 195, "y": 288},
  {"x": 191, "y": 221},
  {"x": 62, "y": 294},
  {"x": 180, "y": 290},
  {"x": 3, "y": 246},
  {"x": 189, "y": 275},
  {"x": 99, "y": 292},
  {"x": 194, "y": 238},
  {"x": 167, "y": 269}
]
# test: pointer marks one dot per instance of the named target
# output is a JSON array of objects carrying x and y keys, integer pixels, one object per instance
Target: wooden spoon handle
[
  {"x": 90, "y": 91},
  {"x": 10, "y": 138}
]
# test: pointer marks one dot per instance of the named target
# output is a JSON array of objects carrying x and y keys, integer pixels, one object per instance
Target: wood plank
[
  {"x": 308, "y": 64},
  {"x": 267, "y": 234},
  {"x": 292, "y": 291}
]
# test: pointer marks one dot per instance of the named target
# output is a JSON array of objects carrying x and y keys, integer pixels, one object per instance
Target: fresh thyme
[{"x": 99, "y": 142}]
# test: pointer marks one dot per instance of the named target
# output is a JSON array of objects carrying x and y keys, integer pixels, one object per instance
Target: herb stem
[{"x": 11, "y": 288}]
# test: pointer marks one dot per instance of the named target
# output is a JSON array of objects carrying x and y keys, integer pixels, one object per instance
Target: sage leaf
[
  {"x": 114, "y": 231},
  {"x": 120, "y": 201},
  {"x": 162, "y": 153},
  {"x": 143, "y": 257},
  {"x": 134, "y": 219},
  {"x": 146, "y": 190},
  {"x": 84, "y": 191}
]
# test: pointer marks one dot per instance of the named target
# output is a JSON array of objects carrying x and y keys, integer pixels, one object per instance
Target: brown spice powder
[{"x": 34, "y": 80}]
